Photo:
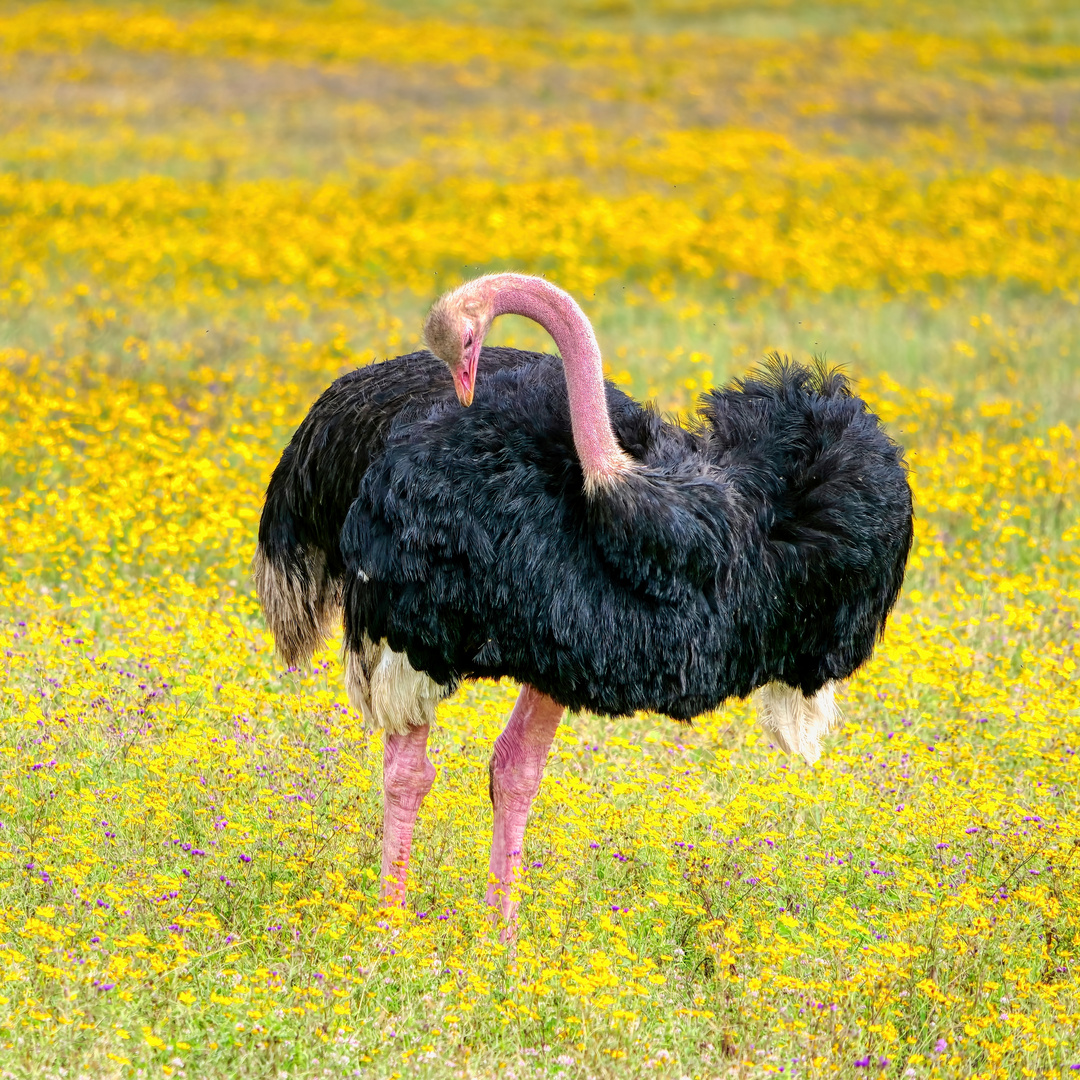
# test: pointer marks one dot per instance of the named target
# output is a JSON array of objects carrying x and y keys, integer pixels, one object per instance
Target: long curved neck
[{"x": 602, "y": 459}]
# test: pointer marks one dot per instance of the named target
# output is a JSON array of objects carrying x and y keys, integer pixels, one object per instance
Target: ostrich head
[
  {"x": 455, "y": 330},
  {"x": 459, "y": 321}
]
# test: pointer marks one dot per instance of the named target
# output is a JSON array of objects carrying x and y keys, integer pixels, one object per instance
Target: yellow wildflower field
[{"x": 209, "y": 212}]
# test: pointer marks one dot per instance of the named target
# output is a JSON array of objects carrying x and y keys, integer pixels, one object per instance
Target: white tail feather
[
  {"x": 797, "y": 723},
  {"x": 388, "y": 690}
]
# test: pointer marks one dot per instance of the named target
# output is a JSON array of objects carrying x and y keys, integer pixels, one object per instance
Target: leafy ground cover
[{"x": 209, "y": 213}]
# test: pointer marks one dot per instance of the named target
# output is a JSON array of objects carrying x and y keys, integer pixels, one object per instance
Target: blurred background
[{"x": 893, "y": 185}]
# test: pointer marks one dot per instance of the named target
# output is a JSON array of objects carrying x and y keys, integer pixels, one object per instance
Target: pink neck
[{"x": 602, "y": 459}]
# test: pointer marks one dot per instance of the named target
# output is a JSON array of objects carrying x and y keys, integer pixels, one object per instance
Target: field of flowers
[{"x": 210, "y": 212}]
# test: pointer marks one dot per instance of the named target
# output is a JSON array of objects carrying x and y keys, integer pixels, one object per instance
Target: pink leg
[
  {"x": 516, "y": 767},
  {"x": 407, "y": 778}
]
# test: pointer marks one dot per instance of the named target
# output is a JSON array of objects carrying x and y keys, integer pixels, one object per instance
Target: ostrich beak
[{"x": 465, "y": 382}]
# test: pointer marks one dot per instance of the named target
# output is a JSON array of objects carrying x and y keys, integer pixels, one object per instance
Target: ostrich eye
[{"x": 468, "y": 341}]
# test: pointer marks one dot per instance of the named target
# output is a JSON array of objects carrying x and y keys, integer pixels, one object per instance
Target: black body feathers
[{"x": 766, "y": 544}]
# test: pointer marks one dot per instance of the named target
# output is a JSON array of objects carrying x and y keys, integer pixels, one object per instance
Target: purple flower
[
  {"x": 862, "y": 1063},
  {"x": 244, "y": 857},
  {"x": 941, "y": 1046}
]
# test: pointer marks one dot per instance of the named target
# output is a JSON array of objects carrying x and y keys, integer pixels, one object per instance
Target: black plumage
[
  {"x": 318, "y": 477},
  {"x": 765, "y": 543}
]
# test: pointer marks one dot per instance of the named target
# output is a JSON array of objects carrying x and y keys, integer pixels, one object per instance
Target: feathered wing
[
  {"x": 298, "y": 566},
  {"x": 768, "y": 546}
]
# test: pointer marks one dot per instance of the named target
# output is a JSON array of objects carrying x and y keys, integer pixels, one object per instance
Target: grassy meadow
[{"x": 208, "y": 213}]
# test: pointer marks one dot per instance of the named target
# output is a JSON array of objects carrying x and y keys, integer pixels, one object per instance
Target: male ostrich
[{"x": 542, "y": 525}]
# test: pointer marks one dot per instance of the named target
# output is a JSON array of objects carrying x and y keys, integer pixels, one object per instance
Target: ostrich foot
[
  {"x": 407, "y": 778},
  {"x": 515, "y": 770}
]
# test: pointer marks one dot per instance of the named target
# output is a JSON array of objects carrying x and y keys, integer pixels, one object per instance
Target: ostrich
[{"x": 538, "y": 523}]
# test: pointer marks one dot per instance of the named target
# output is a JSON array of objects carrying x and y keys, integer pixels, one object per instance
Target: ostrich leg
[
  {"x": 407, "y": 778},
  {"x": 515, "y": 771}
]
